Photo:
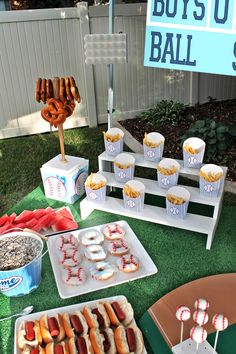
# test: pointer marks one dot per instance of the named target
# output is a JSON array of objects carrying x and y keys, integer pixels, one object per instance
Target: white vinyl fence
[{"x": 46, "y": 43}]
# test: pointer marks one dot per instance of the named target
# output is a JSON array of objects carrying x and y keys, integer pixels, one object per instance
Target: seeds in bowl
[{"x": 17, "y": 251}]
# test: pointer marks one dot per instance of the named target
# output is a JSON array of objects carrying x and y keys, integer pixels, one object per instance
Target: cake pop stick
[
  {"x": 183, "y": 313},
  {"x": 200, "y": 317},
  {"x": 220, "y": 322},
  {"x": 198, "y": 334},
  {"x": 201, "y": 304}
]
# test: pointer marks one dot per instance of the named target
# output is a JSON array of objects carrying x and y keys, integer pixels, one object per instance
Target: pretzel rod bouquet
[
  {"x": 210, "y": 180},
  {"x": 153, "y": 146},
  {"x": 59, "y": 95},
  {"x": 95, "y": 186},
  {"x": 177, "y": 200},
  {"x": 124, "y": 167},
  {"x": 168, "y": 173},
  {"x": 133, "y": 195},
  {"x": 114, "y": 141},
  {"x": 193, "y": 152}
]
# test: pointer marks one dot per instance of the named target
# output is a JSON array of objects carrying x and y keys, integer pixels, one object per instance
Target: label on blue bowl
[{"x": 10, "y": 283}]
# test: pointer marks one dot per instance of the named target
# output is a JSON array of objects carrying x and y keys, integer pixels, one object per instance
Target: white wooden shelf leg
[
  {"x": 85, "y": 209},
  {"x": 210, "y": 237}
]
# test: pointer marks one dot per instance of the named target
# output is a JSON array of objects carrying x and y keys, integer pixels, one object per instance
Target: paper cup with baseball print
[
  {"x": 154, "y": 153},
  {"x": 177, "y": 211},
  {"x": 193, "y": 160},
  {"x": 208, "y": 186},
  {"x": 134, "y": 204},
  {"x": 123, "y": 173},
  {"x": 96, "y": 195},
  {"x": 168, "y": 179},
  {"x": 116, "y": 147}
]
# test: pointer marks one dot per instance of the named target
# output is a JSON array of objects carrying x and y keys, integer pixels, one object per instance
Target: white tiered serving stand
[{"x": 198, "y": 223}]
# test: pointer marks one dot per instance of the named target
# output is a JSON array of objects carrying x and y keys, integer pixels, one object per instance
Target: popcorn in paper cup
[
  {"x": 177, "y": 200},
  {"x": 153, "y": 146},
  {"x": 168, "y": 173},
  {"x": 124, "y": 167},
  {"x": 114, "y": 140},
  {"x": 133, "y": 195},
  {"x": 193, "y": 151},
  {"x": 95, "y": 187},
  {"x": 210, "y": 180}
]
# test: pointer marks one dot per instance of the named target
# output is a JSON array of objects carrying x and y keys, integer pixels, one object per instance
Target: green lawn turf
[{"x": 179, "y": 255}]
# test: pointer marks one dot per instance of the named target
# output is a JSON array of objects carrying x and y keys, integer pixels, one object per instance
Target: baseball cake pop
[
  {"x": 201, "y": 304},
  {"x": 200, "y": 317},
  {"x": 220, "y": 322},
  {"x": 198, "y": 334},
  {"x": 183, "y": 313}
]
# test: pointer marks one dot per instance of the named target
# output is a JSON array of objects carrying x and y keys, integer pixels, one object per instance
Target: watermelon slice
[
  {"x": 25, "y": 216},
  {"x": 3, "y": 219},
  {"x": 21, "y": 225},
  {"x": 6, "y": 227},
  {"x": 65, "y": 213},
  {"x": 29, "y": 224},
  {"x": 65, "y": 224},
  {"x": 38, "y": 213}
]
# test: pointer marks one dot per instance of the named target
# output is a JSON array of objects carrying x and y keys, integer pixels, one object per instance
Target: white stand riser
[{"x": 197, "y": 223}]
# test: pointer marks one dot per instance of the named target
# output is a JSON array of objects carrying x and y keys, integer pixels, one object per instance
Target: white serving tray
[
  {"x": 146, "y": 268},
  {"x": 71, "y": 308}
]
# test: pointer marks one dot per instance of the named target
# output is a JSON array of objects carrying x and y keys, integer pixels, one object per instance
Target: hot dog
[
  {"x": 35, "y": 350},
  {"x": 102, "y": 342},
  {"x": 119, "y": 312},
  {"x": 129, "y": 340},
  {"x": 81, "y": 345},
  {"x": 29, "y": 333},
  {"x": 96, "y": 317},
  {"x": 52, "y": 328},
  {"x": 59, "y": 348},
  {"x": 74, "y": 324}
]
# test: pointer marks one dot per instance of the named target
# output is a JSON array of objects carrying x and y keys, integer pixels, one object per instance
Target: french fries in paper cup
[
  {"x": 168, "y": 173},
  {"x": 124, "y": 167},
  {"x": 95, "y": 187},
  {"x": 193, "y": 152},
  {"x": 114, "y": 140},
  {"x": 177, "y": 201},
  {"x": 210, "y": 180},
  {"x": 153, "y": 146},
  {"x": 133, "y": 195}
]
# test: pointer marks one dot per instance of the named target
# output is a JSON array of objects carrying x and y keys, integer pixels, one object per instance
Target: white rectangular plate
[
  {"x": 37, "y": 315},
  {"x": 189, "y": 347},
  {"x": 146, "y": 267}
]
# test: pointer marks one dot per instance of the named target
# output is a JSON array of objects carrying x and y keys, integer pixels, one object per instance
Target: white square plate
[
  {"x": 146, "y": 267},
  {"x": 190, "y": 347},
  {"x": 51, "y": 313}
]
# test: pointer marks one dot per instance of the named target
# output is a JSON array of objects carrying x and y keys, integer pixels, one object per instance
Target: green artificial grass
[
  {"x": 22, "y": 157},
  {"x": 179, "y": 255}
]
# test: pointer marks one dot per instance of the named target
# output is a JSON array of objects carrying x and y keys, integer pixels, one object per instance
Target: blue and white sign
[{"x": 193, "y": 35}]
